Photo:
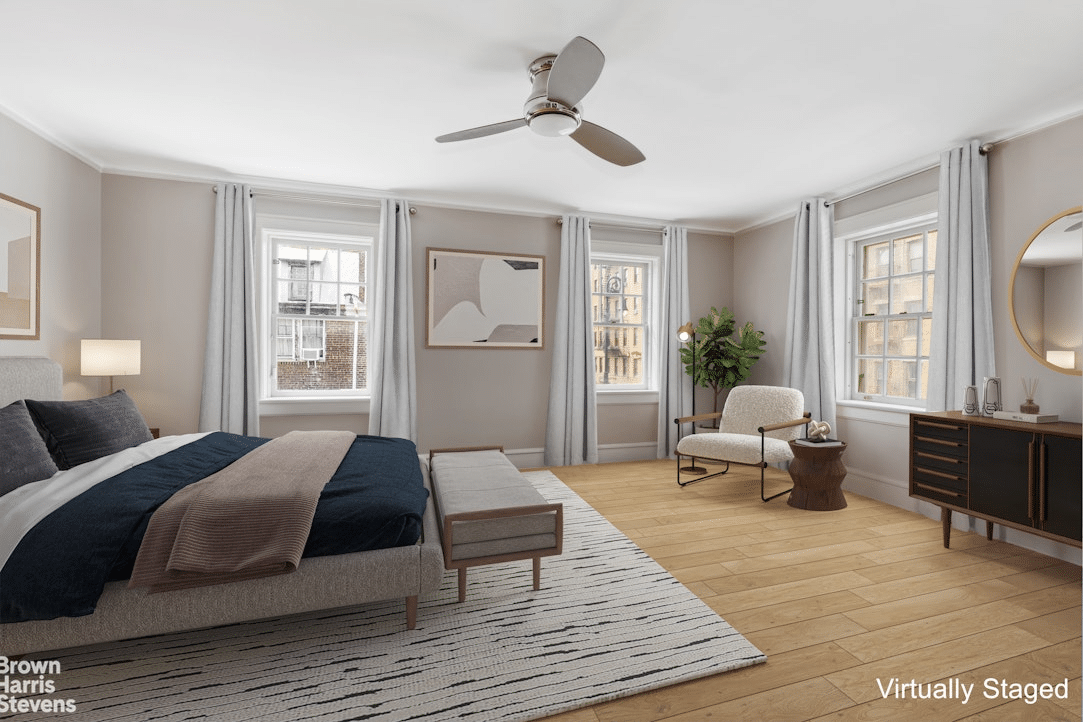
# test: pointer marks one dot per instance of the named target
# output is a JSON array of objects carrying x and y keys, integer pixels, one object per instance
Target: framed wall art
[
  {"x": 479, "y": 299},
  {"x": 20, "y": 269}
]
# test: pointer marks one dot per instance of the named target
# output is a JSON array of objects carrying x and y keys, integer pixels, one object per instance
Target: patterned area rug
[{"x": 607, "y": 623}]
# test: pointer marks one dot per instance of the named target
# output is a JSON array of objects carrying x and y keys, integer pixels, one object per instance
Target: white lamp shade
[
  {"x": 109, "y": 357},
  {"x": 1064, "y": 359}
]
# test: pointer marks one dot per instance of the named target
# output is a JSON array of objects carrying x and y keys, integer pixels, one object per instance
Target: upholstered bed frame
[{"x": 319, "y": 583}]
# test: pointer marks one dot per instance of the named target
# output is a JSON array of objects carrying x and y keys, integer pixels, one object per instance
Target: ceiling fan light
[{"x": 553, "y": 124}]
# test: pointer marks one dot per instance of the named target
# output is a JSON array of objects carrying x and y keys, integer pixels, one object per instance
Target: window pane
[
  {"x": 619, "y": 355},
  {"x": 870, "y": 337},
  {"x": 902, "y": 338},
  {"x": 929, "y": 292},
  {"x": 341, "y": 346},
  {"x": 324, "y": 262},
  {"x": 874, "y": 294},
  {"x": 924, "y": 366},
  {"x": 352, "y": 268},
  {"x": 930, "y": 255},
  {"x": 902, "y": 378},
  {"x": 926, "y": 336},
  {"x": 908, "y": 254},
  {"x": 287, "y": 257},
  {"x": 906, "y": 295},
  {"x": 869, "y": 372},
  {"x": 875, "y": 263}
]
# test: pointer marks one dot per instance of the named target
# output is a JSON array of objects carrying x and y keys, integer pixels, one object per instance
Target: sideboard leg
[
  {"x": 989, "y": 530},
  {"x": 945, "y": 519}
]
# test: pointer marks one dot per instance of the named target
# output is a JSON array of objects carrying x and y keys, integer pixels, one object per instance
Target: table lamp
[{"x": 109, "y": 357}]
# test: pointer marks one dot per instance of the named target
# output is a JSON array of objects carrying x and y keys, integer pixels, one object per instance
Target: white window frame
[
  {"x": 896, "y": 219},
  {"x": 273, "y": 401},
  {"x": 650, "y": 256}
]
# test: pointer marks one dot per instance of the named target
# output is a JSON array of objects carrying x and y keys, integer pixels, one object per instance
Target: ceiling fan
[{"x": 559, "y": 83}]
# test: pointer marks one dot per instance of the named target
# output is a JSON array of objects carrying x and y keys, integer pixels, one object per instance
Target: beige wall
[
  {"x": 157, "y": 240},
  {"x": 156, "y": 245},
  {"x": 68, "y": 192},
  {"x": 1031, "y": 179}
]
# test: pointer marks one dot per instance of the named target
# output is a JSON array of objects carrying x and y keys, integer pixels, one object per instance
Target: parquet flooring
[{"x": 843, "y": 602}]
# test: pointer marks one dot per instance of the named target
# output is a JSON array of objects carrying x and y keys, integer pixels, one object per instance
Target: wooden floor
[{"x": 841, "y": 602}]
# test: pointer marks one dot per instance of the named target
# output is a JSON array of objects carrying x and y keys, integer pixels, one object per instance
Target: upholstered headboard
[{"x": 29, "y": 377}]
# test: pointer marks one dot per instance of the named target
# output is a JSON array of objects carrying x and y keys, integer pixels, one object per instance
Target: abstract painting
[{"x": 479, "y": 299}]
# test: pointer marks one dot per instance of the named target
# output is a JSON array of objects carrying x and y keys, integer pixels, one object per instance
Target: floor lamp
[{"x": 686, "y": 334}]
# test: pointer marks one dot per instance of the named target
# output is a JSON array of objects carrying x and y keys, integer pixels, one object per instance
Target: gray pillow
[
  {"x": 23, "y": 455},
  {"x": 80, "y": 431}
]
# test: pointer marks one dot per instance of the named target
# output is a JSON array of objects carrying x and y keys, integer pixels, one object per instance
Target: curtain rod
[
  {"x": 645, "y": 228},
  {"x": 984, "y": 149},
  {"x": 336, "y": 200}
]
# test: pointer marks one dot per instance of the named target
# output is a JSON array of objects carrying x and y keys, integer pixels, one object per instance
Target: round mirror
[{"x": 1047, "y": 284}]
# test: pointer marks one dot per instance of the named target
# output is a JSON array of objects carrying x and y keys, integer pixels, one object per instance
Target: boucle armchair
[{"x": 755, "y": 428}]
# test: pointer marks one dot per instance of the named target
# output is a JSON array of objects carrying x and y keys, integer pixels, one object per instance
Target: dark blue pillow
[
  {"x": 23, "y": 455},
  {"x": 80, "y": 431}
]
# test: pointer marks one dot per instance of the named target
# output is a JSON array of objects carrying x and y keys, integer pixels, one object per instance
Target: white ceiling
[{"x": 742, "y": 107}]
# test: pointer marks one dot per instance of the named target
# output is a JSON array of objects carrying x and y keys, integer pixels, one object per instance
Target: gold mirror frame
[{"x": 1011, "y": 295}]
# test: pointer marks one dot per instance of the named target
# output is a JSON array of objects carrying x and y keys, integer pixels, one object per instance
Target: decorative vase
[{"x": 1028, "y": 407}]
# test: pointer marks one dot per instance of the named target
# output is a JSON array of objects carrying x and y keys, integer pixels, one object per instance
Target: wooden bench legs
[{"x": 462, "y": 579}]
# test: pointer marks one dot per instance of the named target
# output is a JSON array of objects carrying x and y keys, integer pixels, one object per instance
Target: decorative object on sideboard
[
  {"x": 991, "y": 399},
  {"x": 109, "y": 357},
  {"x": 1044, "y": 292},
  {"x": 20, "y": 266},
  {"x": 971, "y": 407},
  {"x": 1030, "y": 386}
]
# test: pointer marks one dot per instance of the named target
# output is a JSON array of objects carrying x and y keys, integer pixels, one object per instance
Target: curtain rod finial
[{"x": 985, "y": 148}]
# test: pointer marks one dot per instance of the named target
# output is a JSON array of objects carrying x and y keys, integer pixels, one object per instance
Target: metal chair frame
[{"x": 763, "y": 450}]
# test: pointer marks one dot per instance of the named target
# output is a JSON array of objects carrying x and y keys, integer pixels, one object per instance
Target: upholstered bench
[{"x": 489, "y": 513}]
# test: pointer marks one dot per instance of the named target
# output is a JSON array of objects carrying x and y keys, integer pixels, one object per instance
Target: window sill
[
  {"x": 615, "y": 397},
  {"x": 871, "y": 411},
  {"x": 314, "y": 407}
]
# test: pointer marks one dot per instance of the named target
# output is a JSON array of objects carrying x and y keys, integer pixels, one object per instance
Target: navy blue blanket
[{"x": 375, "y": 500}]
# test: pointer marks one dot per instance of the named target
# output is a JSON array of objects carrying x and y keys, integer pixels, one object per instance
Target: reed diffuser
[{"x": 1030, "y": 386}]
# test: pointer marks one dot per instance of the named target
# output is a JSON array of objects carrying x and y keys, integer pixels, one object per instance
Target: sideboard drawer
[{"x": 935, "y": 429}]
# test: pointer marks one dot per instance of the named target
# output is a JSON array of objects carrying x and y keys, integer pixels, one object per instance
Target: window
[
  {"x": 317, "y": 313},
  {"x": 620, "y": 293},
  {"x": 891, "y": 318}
]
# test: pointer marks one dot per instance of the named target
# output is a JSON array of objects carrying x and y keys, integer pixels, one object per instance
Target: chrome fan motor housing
[{"x": 544, "y": 116}]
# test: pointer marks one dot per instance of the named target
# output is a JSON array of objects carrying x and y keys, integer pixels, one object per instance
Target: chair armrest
[
  {"x": 786, "y": 424},
  {"x": 697, "y": 417}
]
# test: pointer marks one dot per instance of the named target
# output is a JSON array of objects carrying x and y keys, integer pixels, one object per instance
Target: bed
[{"x": 326, "y": 580}]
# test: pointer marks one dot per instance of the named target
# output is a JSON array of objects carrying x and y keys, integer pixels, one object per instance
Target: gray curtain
[
  {"x": 961, "y": 348},
  {"x": 675, "y": 386},
  {"x": 809, "y": 362},
  {"x": 571, "y": 433},
  {"x": 393, "y": 377},
  {"x": 230, "y": 388}
]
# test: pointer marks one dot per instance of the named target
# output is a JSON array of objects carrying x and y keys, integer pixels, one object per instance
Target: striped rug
[{"x": 607, "y": 623}]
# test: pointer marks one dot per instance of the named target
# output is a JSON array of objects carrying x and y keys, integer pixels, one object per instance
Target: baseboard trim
[
  {"x": 607, "y": 454},
  {"x": 897, "y": 493}
]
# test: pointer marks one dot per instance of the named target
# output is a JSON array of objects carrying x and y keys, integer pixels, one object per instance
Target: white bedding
[{"x": 24, "y": 507}]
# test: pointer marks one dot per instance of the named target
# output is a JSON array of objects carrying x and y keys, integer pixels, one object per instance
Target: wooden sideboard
[{"x": 1023, "y": 476}]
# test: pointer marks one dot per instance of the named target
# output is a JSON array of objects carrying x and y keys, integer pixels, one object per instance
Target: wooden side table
[{"x": 817, "y": 473}]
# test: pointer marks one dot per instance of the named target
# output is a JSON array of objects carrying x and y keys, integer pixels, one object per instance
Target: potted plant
[{"x": 722, "y": 354}]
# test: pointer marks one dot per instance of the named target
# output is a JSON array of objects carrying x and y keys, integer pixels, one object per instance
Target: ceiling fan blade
[
  {"x": 607, "y": 145},
  {"x": 575, "y": 71},
  {"x": 482, "y": 131}
]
